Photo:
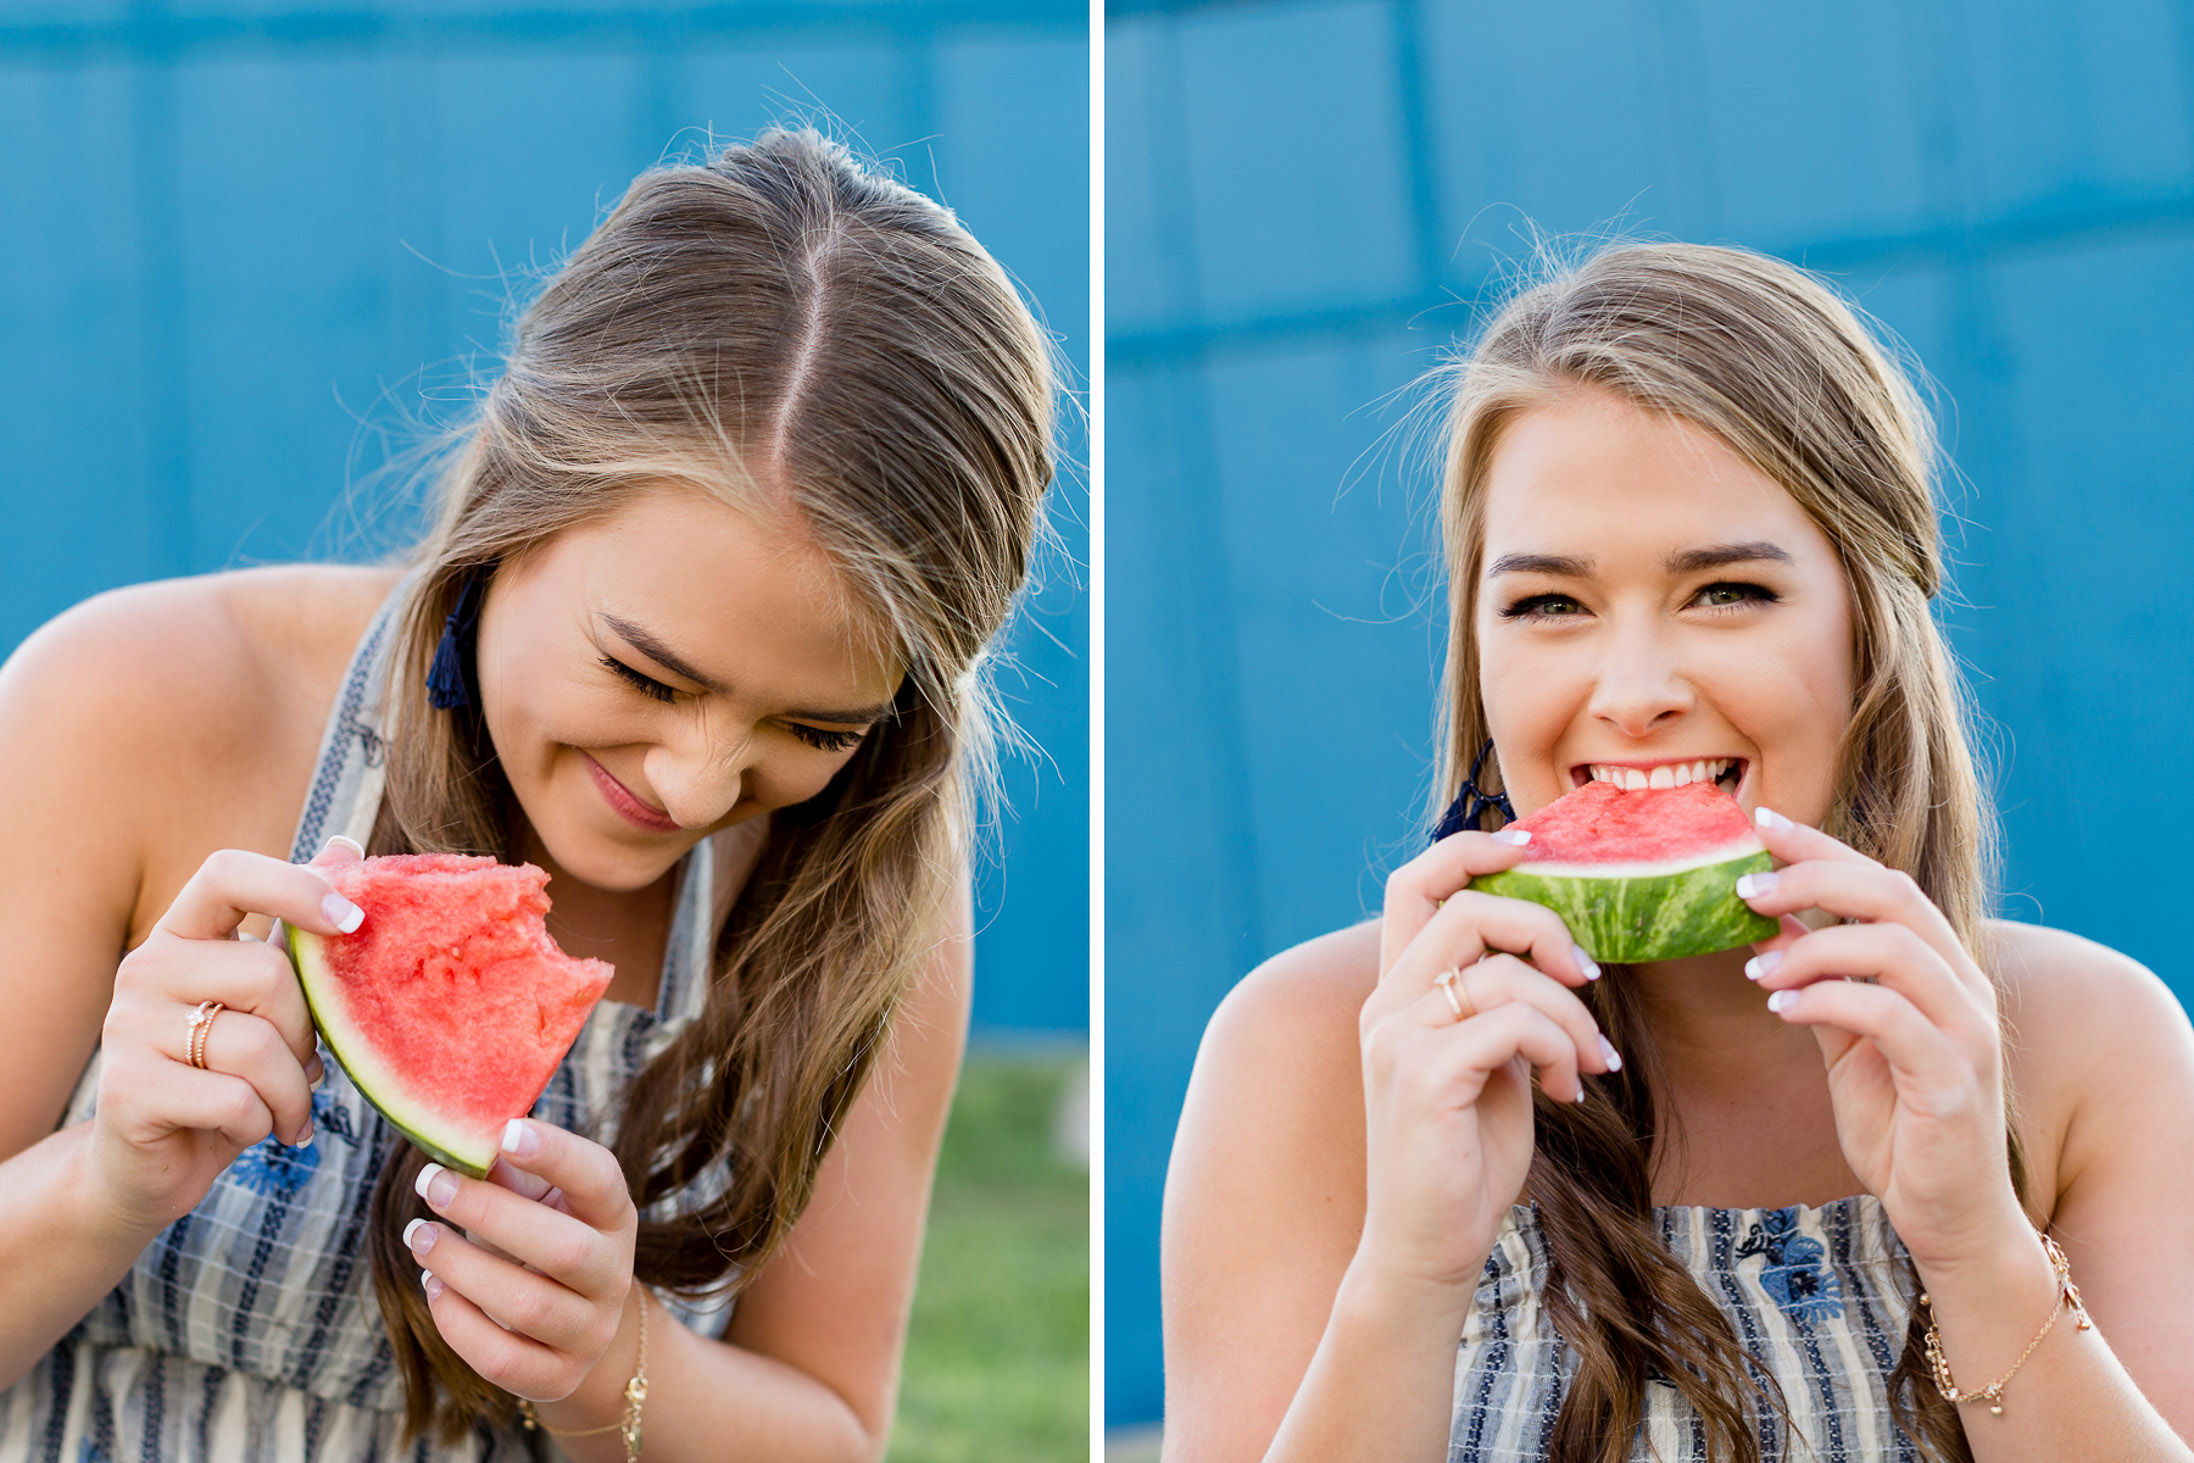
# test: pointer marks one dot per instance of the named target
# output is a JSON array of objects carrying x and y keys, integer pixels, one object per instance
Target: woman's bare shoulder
[
  {"x": 1304, "y": 1000},
  {"x": 183, "y": 714},
  {"x": 1278, "y": 1083},
  {"x": 199, "y": 653},
  {"x": 2093, "y": 1034}
]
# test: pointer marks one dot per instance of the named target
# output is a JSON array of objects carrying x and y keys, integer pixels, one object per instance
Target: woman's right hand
[
  {"x": 164, "y": 1129},
  {"x": 1448, "y": 1100}
]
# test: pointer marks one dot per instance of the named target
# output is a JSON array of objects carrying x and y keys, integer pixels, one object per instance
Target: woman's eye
[
  {"x": 1543, "y": 607},
  {"x": 826, "y": 741},
  {"x": 646, "y": 684},
  {"x": 1727, "y": 594}
]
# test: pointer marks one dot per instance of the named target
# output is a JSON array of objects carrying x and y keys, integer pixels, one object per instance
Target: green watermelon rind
[
  {"x": 1636, "y": 918},
  {"x": 304, "y": 951}
]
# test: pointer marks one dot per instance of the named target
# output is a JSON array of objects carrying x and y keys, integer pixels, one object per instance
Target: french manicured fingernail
[
  {"x": 1769, "y": 818},
  {"x": 1782, "y": 1002},
  {"x": 341, "y": 913},
  {"x": 419, "y": 1237},
  {"x": 1762, "y": 963},
  {"x": 432, "y": 1283},
  {"x": 437, "y": 1185},
  {"x": 1580, "y": 1097},
  {"x": 1585, "y": 962},
  {"x": 1755, "y": 886},
  {"x": 1514, "y": 837},
  {"x": 317, "y": 1073},
  {"x": 1609, "y": 1055},
  {"x": 346, "y": 841},
  {"x": 519, "y": 1139},
  {"x": 304, "y": 1139}
]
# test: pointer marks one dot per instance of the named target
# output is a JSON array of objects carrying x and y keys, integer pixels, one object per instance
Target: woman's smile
[
  {"x": 628, "y": 804},
  {"x": 1655, "y": 611}
]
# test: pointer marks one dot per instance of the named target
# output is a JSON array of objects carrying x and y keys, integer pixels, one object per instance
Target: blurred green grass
[{"x": 997, "y": 1363}]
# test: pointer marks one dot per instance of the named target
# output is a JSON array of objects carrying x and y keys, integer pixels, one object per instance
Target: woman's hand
[
  {"x": 164, "y": 1127},
  {"x": 528, "y": 1279},
  {"x": 1907, "y": 1025},
  {"x": 1448, "y": 1100}
]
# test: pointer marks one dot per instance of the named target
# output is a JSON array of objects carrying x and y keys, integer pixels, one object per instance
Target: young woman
[
  {"x": 700, "y": 631},
  {"x": 1443, "y": 1187}
]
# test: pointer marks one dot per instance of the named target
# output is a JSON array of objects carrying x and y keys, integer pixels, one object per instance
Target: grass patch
[{"x": 997, "y": 1360}]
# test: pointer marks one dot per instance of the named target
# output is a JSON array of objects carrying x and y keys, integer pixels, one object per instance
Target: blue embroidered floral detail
[
  {"x": 273, "y": 1169},
  {"x": 1794, "y": 1277}
]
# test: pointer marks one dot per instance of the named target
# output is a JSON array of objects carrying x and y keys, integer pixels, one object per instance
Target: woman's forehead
[
  {"x": 1592, "y": 476},
  {"x": 719, "y": 583}
]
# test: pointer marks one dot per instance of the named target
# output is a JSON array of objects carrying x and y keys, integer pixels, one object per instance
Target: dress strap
[{"x": 352, "y": 768}]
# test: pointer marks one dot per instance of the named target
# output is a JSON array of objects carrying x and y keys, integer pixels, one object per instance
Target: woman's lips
[{"x": 625, "y": 805}]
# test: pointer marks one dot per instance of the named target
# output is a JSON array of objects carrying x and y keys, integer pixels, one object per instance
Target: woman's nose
[
  {"x": 699, "y": 778},
  {"x": 1640, "y": 689}
]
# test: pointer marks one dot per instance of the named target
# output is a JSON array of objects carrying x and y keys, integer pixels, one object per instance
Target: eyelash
[
  {"x": 1534, "y": 607},
  {"x": 648, "y": 685},
  {"x": 825, "y": 741},
  {"x": 814, "y": 736},
  {"x": 1753, "y": 594}
]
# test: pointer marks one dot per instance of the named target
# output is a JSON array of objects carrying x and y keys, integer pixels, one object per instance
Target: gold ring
[
  {"x": 201, "y": 1026},
  {"x": 1458, "y": 995}
]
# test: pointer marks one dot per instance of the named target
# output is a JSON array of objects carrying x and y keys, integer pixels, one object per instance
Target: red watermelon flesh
[
  {"x": 1663, "y": 829},
  {"x": 1642, "y": 874},
  {"x": 450, "y": 1006}
]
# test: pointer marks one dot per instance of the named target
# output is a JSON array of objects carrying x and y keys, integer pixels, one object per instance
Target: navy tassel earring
[
  {"x": 1471, "y": 804},
  {"x": 449, "y": 685}
]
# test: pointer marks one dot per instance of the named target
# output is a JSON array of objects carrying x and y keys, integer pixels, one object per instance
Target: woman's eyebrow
[
  {"x": 1541, "y": 564},
  {"x": 1714, "y": 556},
  {"x": 654, "y": 649}
]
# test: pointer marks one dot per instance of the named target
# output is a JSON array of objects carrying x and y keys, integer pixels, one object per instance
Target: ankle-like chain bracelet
[
  {"x": 2068, "y": 1294},
  {"x": 636, "y": 1393}
]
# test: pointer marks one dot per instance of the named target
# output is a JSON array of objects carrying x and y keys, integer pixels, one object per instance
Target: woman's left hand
[
  {"x": 529, "y": 1276},
  {"x": 1907, "y": 1026}
]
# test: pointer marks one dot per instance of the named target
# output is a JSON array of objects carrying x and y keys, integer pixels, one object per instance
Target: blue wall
[
  {"x": 235, "y": 230},
  {"x": 1298, "y": 196}
]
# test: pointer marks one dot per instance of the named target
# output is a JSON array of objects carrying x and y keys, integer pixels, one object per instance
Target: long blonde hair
[
  {"x": 788, "y": 332},
  {"x": 1776, "y": 365}
]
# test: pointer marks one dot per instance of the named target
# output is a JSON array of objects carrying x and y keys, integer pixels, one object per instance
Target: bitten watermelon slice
[
  {"x": 450, "y": 1006},
  {"x": 1642, "y": 874}
]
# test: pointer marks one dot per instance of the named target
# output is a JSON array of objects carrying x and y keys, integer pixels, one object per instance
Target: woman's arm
[
  {"x": 809, "y": 1368},
  {"x": 1263, "y": 1212},
  {"x": 1355, "y": 1135},
  {"x": 1908, "y": 1027},
  {"x": 101, "y": 728},
  {"x": 2117, "y": 1051}
]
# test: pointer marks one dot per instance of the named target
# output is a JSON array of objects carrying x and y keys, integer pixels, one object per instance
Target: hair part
[
  {"x": 1780, "y": 368},
  {"x": 798, "y": 337}
]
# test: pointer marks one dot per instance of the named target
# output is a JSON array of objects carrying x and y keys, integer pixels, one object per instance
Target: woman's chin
[{"x": 617, "y": 860}]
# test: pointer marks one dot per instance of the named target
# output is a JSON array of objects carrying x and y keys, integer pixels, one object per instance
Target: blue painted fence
[
  {"x": 241, "y": 241},
  {"x": 1303, "y": 201}
]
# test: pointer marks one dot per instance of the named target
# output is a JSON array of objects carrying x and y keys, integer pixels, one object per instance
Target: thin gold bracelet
[
  {"x": 636, "y": 1393},
  {"x": 2068, "y": 1294}
]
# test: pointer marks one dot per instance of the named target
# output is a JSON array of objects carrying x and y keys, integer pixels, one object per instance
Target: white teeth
[{"x": 1668, "y": 774}]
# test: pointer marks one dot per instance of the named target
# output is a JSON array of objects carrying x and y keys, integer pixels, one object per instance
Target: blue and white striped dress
[
  {"x": 248, "y": 1331},
  {"x": 1815, "y": 1293}
]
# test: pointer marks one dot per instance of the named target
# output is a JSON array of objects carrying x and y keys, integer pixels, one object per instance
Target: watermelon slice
[
  {"x": 450, "y": 1006},
  {"x": 1642, "y": 874}
]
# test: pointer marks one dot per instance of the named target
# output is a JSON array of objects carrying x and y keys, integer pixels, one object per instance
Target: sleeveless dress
[
  {"x": 248, "y": 1331},
  {"x": 1815, "y": 1293}
]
